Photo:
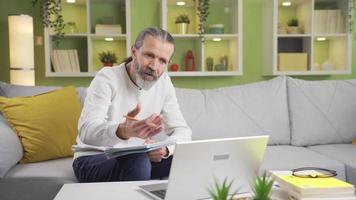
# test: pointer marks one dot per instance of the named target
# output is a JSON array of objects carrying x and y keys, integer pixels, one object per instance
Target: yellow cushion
[
  {"x": 46, "y": 124},
  {"x": 354, "y": 141}
]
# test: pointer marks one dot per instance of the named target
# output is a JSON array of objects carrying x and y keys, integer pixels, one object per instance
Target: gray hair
[{"x": 154, "y": 32}]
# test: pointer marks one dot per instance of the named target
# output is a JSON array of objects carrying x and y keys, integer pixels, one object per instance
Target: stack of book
[
  {"x": 299, "y": 188},
  {"x": 65, "y": 60},
  {"x": 329, "y": 21},
  {"x": 108, "y": 29}
]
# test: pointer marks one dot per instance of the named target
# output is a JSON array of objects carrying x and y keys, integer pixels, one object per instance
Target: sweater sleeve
[
  {"x": 175, "y": 125},
  {"x": 94, "y": 127}
]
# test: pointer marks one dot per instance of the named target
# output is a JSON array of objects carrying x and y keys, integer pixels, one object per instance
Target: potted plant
[
  {"x": 221, "y": 191},
  {"x": 182, "y": 22},
  {"x": 262, "y": 187},
  {"x": 203, "y": 13},
  {"x": 51, "y": 16},
  {"x": 108, "y": 58},
  {"x": 293, "y": 27}
]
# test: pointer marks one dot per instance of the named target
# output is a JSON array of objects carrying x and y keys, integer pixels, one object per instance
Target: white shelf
[
  {"x": 294, "y": 35},
  {"x": 70, "y": 74},
  {"x": 87, "y": 43},
  {"x": 206, "y": 73},
  {"x": 334, "y": 51},
  {"x": 229, "y": 46}
]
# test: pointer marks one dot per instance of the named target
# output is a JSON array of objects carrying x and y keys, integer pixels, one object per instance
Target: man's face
[{"x": 150, "y": 61}]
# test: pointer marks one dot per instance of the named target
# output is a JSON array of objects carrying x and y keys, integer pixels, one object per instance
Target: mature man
[{"x": 135, "y": 99}]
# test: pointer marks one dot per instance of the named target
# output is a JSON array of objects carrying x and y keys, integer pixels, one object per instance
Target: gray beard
[{"x": 140, "y": 82}]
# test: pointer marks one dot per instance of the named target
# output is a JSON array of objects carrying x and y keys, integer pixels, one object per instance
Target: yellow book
[{"x": 315, "y": 185}]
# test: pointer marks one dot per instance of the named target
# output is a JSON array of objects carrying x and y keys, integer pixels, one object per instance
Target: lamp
[{"x": 22, "y": 64}]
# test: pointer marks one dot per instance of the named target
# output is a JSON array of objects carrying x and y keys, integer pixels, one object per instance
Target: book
[
  {"x": 313, "y": 188},
  {"x": 131, "y": 146}
]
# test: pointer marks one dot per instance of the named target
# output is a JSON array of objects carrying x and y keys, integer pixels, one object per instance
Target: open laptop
[{"x": 197, "y": 164}]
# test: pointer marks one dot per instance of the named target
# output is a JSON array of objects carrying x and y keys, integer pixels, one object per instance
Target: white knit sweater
[{"x": 112, "y": 94}]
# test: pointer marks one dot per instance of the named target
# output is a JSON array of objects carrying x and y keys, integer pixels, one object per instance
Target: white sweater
[{"x": 112, "y": 94}]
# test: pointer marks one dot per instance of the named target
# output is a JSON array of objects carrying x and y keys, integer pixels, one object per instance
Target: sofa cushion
[
  {"x": 59, "y": 168},
  {"x": 11, "y": 91},
  {"x": 345, "y": 153},
  {"x": 322, "y": 112},
  {"x": 10, "y": 147},
  {"x": 286, "y": 157},
  {"x": 252, "y": 109},
  {"x": 46, "y": 123}
]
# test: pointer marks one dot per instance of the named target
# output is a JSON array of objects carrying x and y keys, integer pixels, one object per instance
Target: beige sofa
[{"x": 310, "y": 123}]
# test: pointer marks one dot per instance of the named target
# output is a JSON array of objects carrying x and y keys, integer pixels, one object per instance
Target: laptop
[{"x": 196, "y": 165}]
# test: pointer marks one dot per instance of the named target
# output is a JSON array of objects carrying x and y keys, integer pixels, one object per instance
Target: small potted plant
[
  {"x": 108, "y": 58},
  {"x": 221, "y": 191},
  {"x": 293, "y": 27},
  {"x": 182, "y": 22},
  {"x": 262, "y": 187}
]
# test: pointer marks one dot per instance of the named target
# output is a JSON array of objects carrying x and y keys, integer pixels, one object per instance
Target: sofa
[{"x": 310, "y": 123}]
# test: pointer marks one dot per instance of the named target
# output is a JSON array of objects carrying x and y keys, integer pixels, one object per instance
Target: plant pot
[
  {"x": 108, "y": 64},
  {"x": 293, "y": 29},
  {"x": 182, "y": 28}
]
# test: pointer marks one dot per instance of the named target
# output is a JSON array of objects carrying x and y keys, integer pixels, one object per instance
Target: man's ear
[{"x": 133, "y": 51}]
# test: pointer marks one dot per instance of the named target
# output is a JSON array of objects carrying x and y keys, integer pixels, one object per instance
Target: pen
[{"x": 134, "y": 119}]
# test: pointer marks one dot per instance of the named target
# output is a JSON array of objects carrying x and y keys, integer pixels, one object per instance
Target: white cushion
[
  {"x": 10, "y": 147},
  {"x": 322, "y": 112},
  {"x": 252, "y": 109},
  {"x": 58, "y": 168}
]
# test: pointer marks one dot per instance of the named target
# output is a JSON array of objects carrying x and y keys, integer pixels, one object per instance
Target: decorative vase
[
  {"x": 182, "y": 28},
  {"x": 293, "y": 29},
  {"x": 174, "y": 67}
]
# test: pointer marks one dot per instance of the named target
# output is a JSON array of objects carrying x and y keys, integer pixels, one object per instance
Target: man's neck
[{"x": 131, "y": 72}]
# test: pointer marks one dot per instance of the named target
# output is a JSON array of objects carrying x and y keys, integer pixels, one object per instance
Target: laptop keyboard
[{"x": 160, "y": 193}]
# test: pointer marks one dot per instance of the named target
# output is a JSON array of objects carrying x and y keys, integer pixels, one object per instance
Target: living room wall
[{"x": 146, "y": 13}]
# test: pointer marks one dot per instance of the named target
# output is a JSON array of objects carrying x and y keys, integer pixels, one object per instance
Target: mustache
[{"x": 150, "y": 72}]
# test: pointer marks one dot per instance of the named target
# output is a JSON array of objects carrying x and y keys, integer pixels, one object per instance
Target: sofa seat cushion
[
  {"x": 322, "y": 112},
  {"x": 345, "y": 153},
  {"x": 59, "y": 168},
  {"x": 252, "y": 109},
  {"x": 285, "y": 157}
]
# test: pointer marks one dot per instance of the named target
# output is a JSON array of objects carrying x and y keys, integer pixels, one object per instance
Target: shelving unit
[
  {"x": 86, "y": 14},
  {"x": 225, "y": 54},
  {"x": 320, "y": 46}
]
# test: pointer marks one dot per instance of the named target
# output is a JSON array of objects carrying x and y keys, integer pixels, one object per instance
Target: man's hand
[
  {"x": 139, "y": 128},
  {"x": 158, "y": 154}
]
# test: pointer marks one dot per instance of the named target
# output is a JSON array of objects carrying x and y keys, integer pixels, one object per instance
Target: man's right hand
[{"x": 139, "y": 128}]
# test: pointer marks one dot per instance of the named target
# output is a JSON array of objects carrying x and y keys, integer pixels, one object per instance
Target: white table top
[{"x": 104, "y": 190}]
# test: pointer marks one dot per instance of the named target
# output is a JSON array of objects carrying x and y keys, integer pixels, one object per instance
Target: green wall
[{"x": 147, "y": 13}]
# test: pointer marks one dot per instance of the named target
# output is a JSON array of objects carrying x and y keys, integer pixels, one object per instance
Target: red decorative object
[
  {"x": 108, "y": 64},
  {"x": 189, "y": 61},
  {"x": 173, "y": 67}
]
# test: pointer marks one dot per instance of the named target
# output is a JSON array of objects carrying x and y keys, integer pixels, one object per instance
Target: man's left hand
[{"x": 158, "y": 154}]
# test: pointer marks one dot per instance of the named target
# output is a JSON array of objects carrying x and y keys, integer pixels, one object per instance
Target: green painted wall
[{"x": 147, "y": 13}]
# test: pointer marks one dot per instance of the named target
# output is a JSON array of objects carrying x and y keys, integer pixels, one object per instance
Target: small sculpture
[
  {"x": 209, "y": 63},
  {"x": 189, "y": 61}
]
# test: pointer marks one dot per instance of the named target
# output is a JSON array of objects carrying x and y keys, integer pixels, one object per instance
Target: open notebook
[{"x": 130, "y": 146}]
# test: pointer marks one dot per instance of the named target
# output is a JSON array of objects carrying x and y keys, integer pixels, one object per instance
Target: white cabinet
[
  {"x": 92, "y": 26},
  {"x": 221, "y": 52},
  {"x": 320, "y": 44}
]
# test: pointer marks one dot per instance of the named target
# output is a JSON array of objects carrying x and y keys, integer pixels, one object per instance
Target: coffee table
[{"x": 104, "y": 190}]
